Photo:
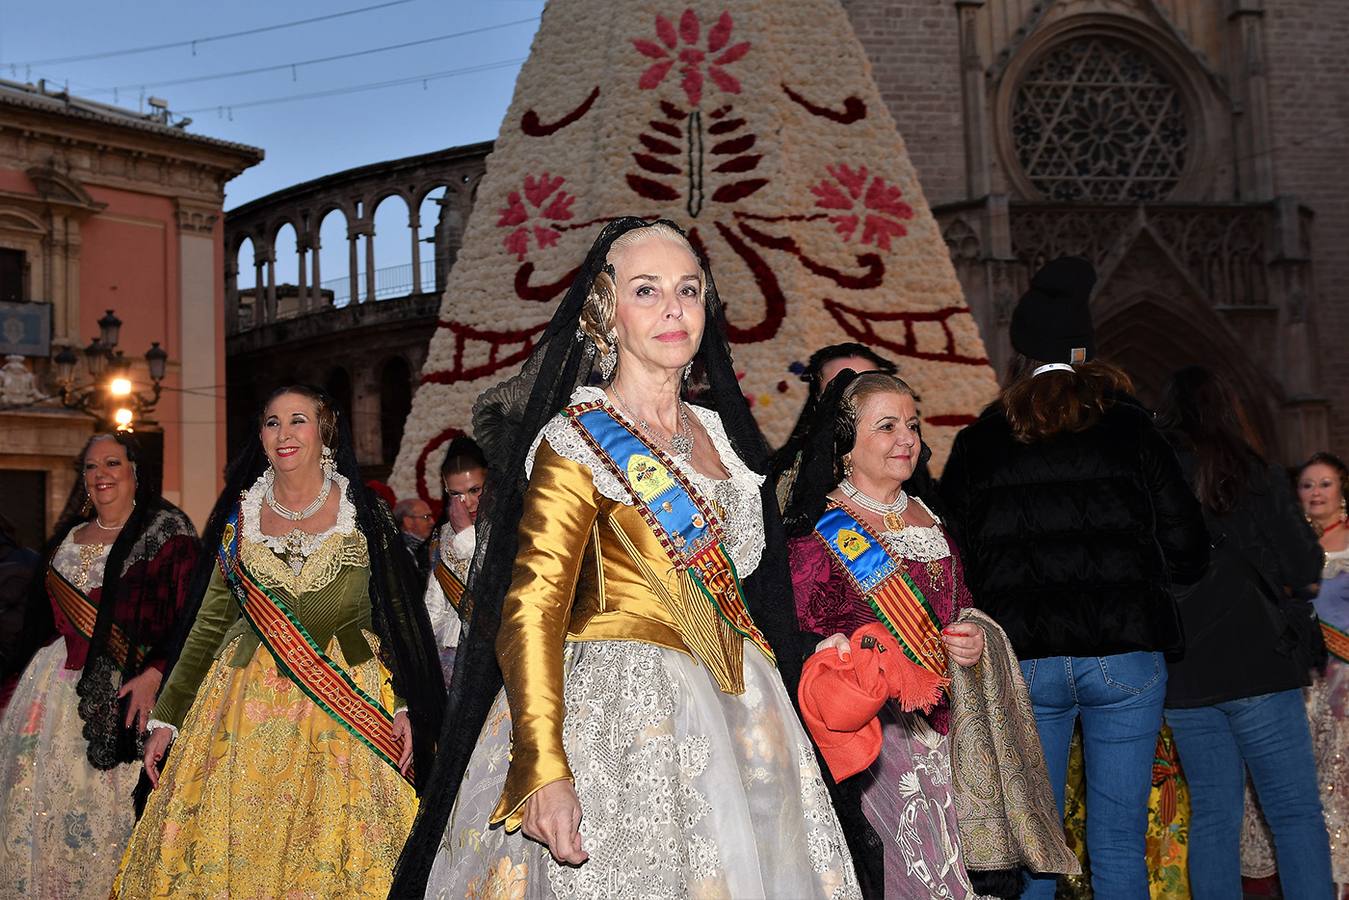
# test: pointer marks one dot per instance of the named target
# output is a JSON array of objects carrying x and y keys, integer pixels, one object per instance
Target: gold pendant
[{"x": 894, "y": 522}]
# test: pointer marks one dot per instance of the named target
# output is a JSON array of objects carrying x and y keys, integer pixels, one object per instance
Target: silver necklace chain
[
  {"x": 290, "y": 514},
  {"x": 854, "y": 493},
  {"x": 679, "y": 444}
]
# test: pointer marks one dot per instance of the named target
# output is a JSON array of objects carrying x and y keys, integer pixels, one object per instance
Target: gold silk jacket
[{"x": 574, "y": 542}]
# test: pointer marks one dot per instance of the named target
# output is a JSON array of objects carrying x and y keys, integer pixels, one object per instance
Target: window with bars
[{"x": 1098, "y": 119}]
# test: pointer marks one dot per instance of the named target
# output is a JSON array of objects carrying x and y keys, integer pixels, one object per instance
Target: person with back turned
[{"x": 1075, "y": 524}]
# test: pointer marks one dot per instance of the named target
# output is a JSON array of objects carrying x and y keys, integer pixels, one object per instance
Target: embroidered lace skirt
[
  {"x": 1328, "y": 715},
  {"x": 264, "y": 795},
  {"x": 64, "y": 823},
  {"x": 685, "y": 791},
  {"x": 910, "y": 801}
]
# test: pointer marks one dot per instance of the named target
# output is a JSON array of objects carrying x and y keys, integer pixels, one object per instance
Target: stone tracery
[{"x": 1095, "y": 118}]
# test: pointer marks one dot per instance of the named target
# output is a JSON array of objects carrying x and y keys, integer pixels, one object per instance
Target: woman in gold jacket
[
  {"x": 645, "y": 738},
  {"x": 293, "y": 745}
]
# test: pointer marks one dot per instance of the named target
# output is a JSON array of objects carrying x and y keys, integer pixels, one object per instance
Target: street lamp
[
  {"x": 109, "y": 329},
  {"x": 114, "y": 397}
]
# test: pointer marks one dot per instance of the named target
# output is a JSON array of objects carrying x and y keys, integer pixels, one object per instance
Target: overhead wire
[
  {"x": 225, "y": 108},
  {"x": 196, "y": 42},
  {"x": 281, "y": 67}
]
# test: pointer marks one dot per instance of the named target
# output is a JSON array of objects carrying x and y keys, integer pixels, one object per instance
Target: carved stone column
[
  {"x": 353, "y": 266},
  {"x": 974, "y": 95},
  {"x": 370, "y": 264},
  {"x": 269, "y": 258},
  {"x": 1246, "y": 20},
  {"x": 302, "y": 272},
  {"x": 316, "y": 287},
  {"x": 414, "y": 225}
]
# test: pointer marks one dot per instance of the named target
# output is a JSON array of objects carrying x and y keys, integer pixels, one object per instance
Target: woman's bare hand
[
  {"x": 155, "y": 747},
  {"x": 964, "y": 642},
  {"x": 402, "y": 733},
  {"x": 839, "y": 642},
  {"x": 553, "y": 818},
  {"x": 142, "y": 689}
]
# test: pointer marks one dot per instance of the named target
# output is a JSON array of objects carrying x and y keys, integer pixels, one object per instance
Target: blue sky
[{"x": 303, "y": 138}]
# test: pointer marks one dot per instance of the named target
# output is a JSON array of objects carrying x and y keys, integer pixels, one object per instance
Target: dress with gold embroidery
[
  {"x": 263, "y": 793},
  {"x": 689, "y": 787}
]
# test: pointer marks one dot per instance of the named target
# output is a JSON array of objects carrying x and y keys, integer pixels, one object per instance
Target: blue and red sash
[
  {"x": 888, "y": 589},
  {"x": 690, "y": 534}
]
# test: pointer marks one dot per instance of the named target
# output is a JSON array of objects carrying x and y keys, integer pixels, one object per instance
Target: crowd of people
[{"x": 630, "y": 652}]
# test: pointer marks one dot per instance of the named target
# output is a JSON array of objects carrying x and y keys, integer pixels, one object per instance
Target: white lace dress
[
  {"x": 63, "y": 823},
  {"x": 685, "y": 791}
]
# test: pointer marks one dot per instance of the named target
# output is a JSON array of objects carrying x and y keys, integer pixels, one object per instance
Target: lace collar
[
  {"x": 81, "y": 564},
  {"x": 738, "y": 495},
  {"x": 320, "y": 556},
  {"x": 1337, "y": 563},
  {"x": 252, "y": 514}
]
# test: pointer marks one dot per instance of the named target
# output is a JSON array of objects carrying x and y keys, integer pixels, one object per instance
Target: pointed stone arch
[{"x": 1152, "y": 318}]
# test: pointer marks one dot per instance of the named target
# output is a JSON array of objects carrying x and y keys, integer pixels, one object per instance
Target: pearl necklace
[
  {"x": 290, "y": 514},
  {"x": 100, "y": 524},
  {"x": 891, "y": 513},
  {"x": 679, "y": 444}
]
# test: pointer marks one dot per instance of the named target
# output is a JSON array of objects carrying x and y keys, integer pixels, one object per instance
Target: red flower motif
[
  {"x": 525, "y": 215},
  {"x": 666, "y": 51},
  {"x": 882, "y": 208}
]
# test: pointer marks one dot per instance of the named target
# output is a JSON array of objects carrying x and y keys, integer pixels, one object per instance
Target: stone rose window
[{"x": 1097, "y": 119}]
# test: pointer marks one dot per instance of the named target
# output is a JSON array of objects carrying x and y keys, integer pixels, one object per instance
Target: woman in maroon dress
[{"x": 864, "y": 553}]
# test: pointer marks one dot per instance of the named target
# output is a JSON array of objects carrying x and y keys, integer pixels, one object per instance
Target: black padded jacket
[{"x": 1075, "y": 543}]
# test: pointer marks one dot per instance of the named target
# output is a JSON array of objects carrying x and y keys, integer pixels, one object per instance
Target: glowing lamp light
[
  {"x": 120, "y": 387},
  {"x": 123, "y": 418}
]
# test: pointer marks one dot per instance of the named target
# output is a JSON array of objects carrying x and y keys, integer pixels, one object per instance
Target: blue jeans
[
  {"x": 1119, "y": 699},
  {"x": 1269, "y": 736}
]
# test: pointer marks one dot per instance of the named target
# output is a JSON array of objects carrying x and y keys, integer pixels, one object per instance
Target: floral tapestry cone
[{"x": 766, "y": 137}]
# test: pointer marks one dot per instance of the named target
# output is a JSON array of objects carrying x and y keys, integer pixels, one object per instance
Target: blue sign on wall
[{"x": 26, "y": 328}]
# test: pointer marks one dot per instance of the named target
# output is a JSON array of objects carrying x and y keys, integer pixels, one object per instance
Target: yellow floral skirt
[{"x": 265, "y": 795}]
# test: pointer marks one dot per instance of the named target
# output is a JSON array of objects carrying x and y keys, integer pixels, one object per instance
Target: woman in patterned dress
[
  {"x": 907, "y": 796},
  {"x": 100, "y": 624},
  {"x": 299, "y": 695},
  {"x": 644, "y": 737},
  {"x": 1323, "y": 485},
  {"x": 866, "y": 555}
]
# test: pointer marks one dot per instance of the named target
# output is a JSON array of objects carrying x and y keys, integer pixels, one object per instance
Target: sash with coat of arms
[
  {"x": 710, "y": 609},
  {"x": 879, "y": 577}
]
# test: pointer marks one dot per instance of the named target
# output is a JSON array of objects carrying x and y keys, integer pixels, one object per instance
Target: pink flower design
[
  {"x": 666, "y": 51},
  {"x": 882, "y": 209},
  {"x": 526, "y": 215},
  {"x": 32, "y": 723}
]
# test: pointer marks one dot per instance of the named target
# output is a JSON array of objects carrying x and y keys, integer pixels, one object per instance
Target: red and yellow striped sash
[
  {"x": 83, "y": 614},
  {"x": 1337, "y": 642},
  {"x": 300, "y": 658},
  {"x": 450, "y": 585}
]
